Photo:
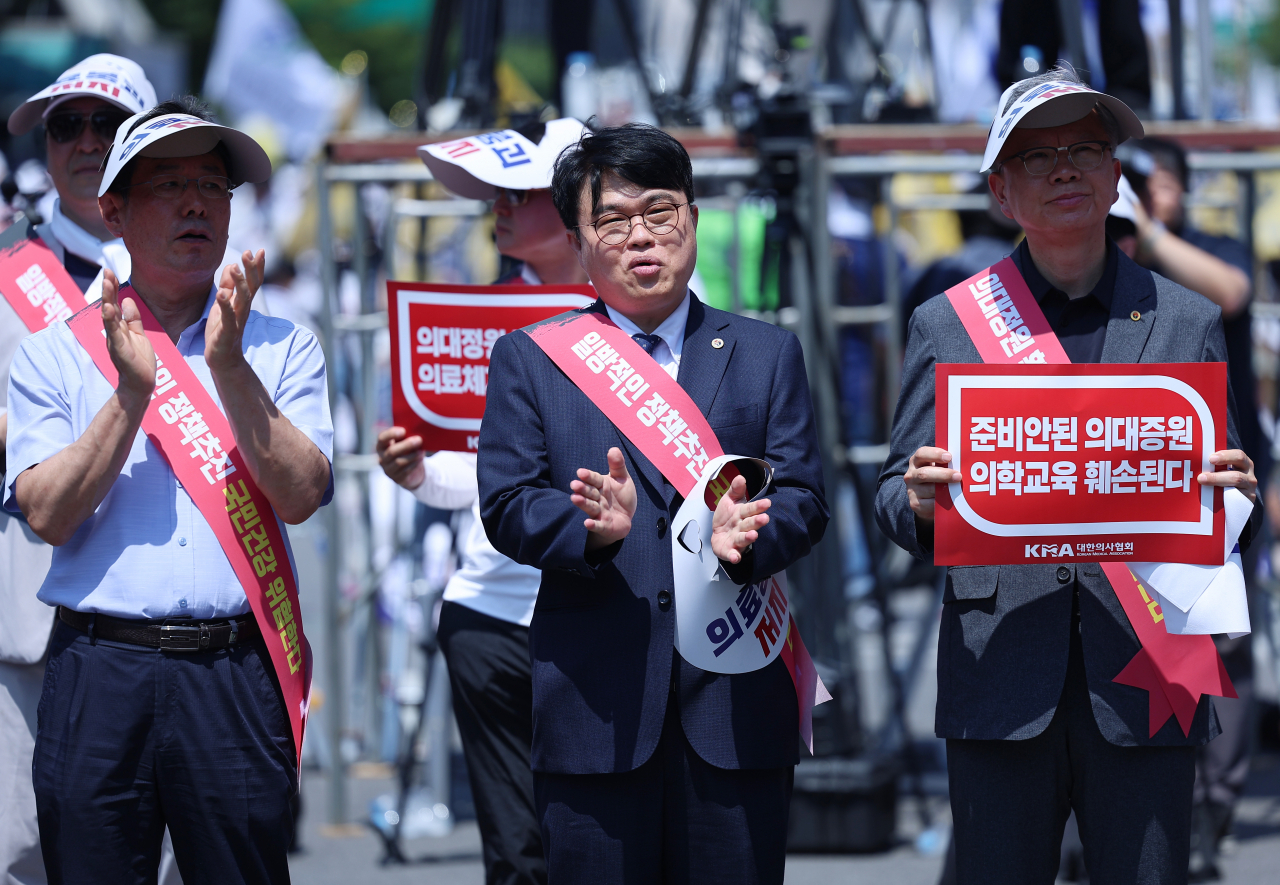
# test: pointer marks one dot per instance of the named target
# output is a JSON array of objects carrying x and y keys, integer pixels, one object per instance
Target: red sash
[
  {"x": 1007, "y": 326},
  {"x": 668, "y": 427},
  {"x": 189, "y": 429},
  {"x": 33, "y": 281}
]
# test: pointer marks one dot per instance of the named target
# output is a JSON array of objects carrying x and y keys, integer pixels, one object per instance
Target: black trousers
[
  {"x": 130, "y": 739},
  {"x": 492, "y": 683},
  {"x": 1010, "y": 801},
  {"x": 676, "y": 819}
]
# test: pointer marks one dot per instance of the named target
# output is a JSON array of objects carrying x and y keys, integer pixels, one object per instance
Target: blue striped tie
[{"x": 648, "y": 342}]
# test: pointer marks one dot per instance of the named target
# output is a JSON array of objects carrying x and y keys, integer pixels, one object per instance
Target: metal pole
[
  {"x": 334, "y": 669},
  {"x": 1204, "y": 43},
  {"x": 1177, "y": 75}
]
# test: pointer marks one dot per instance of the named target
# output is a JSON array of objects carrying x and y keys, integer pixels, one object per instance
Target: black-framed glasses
[
  {"x": 1084, "y": 155},
  {"x": 170, "y": 187},
  {"x": 67, "y": 126},
  {"x": 512, "y": 197},
  {"x": 660, "y": 218}
]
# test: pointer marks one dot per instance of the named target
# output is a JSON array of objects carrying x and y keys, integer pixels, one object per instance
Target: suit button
[
  {"x": 1064, "y": 574},
  {"x": 662, "y": 526},
  {"x": 664, "y": 600}
]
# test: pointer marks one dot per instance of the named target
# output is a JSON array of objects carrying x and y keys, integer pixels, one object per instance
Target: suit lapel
[
  {"x": 702, "y": 368},
  {"x": 702, "y": 365},
  {"x": 1135, "y": 292}
]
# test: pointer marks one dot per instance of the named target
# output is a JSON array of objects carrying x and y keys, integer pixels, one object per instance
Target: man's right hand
[
  {"x": 127, "y": 343},
  {"x": 927, "y": 469},
  {"x": 608, "y": 500},
  {"x": 401, "y": 458}
]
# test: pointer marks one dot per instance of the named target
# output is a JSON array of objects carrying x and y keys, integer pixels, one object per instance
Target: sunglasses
[
  {"x": 66, "y": 127},
  {"x": 512, "y": 197}
]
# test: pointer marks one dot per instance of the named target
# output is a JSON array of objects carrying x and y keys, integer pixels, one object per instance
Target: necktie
[{"x": 648, "y": 342}]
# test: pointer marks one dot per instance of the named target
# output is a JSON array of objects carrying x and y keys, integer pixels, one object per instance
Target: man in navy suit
[{"x": 647, "y": 769}]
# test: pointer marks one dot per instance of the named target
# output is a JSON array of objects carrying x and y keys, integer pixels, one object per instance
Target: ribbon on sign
[
  {"x": 1005, "y": 322},
  {"x": 33, "y": 281},
  {"x": 183, "y": 421},
  {"x": 572, "y": 341}
]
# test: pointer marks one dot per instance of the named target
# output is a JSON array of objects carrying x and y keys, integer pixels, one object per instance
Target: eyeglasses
[
  {"x": 512, "y": 198},
  {"x": 170, "y": 187},
  {"x": 1084, "y": 155},
  {"x": 66, "y": 127},
  {"x": 660, "y": 218}
]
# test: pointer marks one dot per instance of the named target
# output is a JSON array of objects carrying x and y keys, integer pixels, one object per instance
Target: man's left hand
[
  {"x": 1238, "y": 475},
  {"x": 736, "y": 521},
  {"x": 224, "y": 332}
]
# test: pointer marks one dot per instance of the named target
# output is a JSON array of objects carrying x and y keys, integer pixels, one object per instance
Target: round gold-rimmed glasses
[{"x": 1084, "y": 155}]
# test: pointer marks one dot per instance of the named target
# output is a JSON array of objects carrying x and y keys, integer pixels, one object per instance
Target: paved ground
[{"x": 352, "y": 855}]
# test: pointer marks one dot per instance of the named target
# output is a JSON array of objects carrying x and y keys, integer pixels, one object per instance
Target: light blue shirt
[
  {"x": 147, "y": 552},
  {"x": 671, "y": 331}
]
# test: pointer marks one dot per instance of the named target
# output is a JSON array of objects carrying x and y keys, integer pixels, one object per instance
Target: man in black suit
[
  {"x": 647, "y": 769},
  {"x": 1034, "y": 723}
]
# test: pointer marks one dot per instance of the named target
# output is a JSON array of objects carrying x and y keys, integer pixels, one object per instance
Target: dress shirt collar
[
  {"x": 529, "y": 276},
  {"x": 1040, "y": 287},
  {"x": 671, "y": 330}
]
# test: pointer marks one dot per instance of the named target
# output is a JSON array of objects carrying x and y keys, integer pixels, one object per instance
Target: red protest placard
[
  {"x": 441, "y": 339},
  {"x": 1080, "y": 463}
]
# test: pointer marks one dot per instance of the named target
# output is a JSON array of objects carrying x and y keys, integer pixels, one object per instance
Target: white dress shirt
[
  {"x": 671, "y": 331},
  {"x": 486, "y": 581}
]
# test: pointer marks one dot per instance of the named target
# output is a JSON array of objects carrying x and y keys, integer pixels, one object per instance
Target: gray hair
[{"x": 1056, "y": 74}]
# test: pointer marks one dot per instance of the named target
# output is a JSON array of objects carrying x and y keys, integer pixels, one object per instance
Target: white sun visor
[
  {"x": 181, "y": 135},
  {"x": 476, "y": 166},
  {"x": 111, "y": 78},
  {"x": 1055, "y": 103}
]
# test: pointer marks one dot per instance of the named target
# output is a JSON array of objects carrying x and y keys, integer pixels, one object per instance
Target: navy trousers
[
  {"x": 676, "y": 820},
  {"x": 130, "y": 739},
  {"x": 1010, "y": 801}
]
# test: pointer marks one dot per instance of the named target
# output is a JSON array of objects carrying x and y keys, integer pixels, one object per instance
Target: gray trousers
[
  {"x": 1010, "y": 801},
  {"x": 20, "y": 860}
]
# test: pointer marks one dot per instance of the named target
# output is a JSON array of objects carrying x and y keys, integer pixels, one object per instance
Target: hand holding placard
[{"x": 927, "y": 470}]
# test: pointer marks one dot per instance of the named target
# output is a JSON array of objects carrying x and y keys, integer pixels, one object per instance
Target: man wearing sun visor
[
  {"x": 80, "y": 112},
  {"x": 160, "y": 442},
  {"x": 1035, "y": 722}
]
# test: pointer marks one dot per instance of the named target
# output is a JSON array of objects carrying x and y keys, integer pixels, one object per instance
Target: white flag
[{"x": 263, "y": 66}]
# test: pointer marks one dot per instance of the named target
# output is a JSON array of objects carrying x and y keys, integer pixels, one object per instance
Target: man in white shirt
[{"x": 488, "y": 603}]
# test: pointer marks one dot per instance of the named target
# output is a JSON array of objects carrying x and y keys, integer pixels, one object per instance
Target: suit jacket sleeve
[
  {"x": 798, "y": 512},
  {"x": 1215, "y": 351},
  {"x": 913, "y": 427},
  {"x": 525, "y": 518}
]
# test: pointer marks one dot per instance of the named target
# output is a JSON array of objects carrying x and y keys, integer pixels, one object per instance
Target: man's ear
[
  {"x": 112, "y": 205},
  {"x": 995, "y": 181},
  {"x": 693, "y": 213}
]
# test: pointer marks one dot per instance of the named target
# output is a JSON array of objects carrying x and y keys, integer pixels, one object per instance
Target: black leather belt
[{"x": 170, "y": 634}]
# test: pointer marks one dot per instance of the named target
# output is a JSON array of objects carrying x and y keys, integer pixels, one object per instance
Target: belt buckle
[{"x": 175, "y": 637}]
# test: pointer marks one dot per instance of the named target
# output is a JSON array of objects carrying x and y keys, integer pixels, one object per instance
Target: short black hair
[
  {"x": 1148, "y": 154},
  {"x": 182, "y": 104},
  {"x": 636, "y": 152}
]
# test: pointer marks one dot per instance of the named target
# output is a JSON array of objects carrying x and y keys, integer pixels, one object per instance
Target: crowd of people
[{"x": 159, "y": 434}]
